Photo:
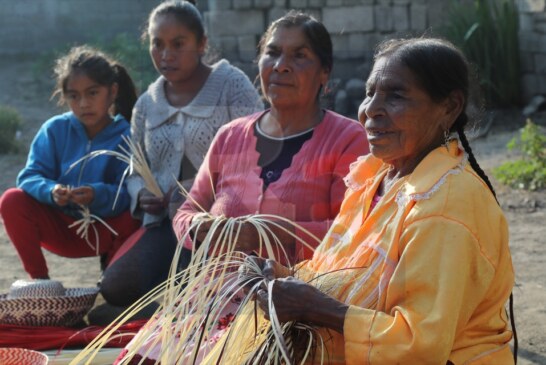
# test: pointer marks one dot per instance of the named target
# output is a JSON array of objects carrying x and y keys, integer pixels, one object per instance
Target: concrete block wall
[
  {"x": 532, "y": 42},
  {"x": 235, "y": 27},
  {"x": 356, "y": 26},
  {"x": 34, "y": 26}
]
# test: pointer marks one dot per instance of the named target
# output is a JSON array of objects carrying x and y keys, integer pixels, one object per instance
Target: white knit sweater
[{"x": 167, "y": 133}]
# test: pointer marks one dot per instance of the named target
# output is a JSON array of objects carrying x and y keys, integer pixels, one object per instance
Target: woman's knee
[
  {"x": 12, "y": 198},
  {"x": 120, "y": 288}
]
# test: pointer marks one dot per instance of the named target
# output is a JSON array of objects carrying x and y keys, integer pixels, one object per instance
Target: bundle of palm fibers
[
  {"x": 193, "y": 300},
  {"x": 133, "y": 155},
  {"x": 270, "y": 342},
  {"x": 87, "y": 222}
]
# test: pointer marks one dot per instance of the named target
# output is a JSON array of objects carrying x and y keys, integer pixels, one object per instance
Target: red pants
[{"x": 32, "y": 225}]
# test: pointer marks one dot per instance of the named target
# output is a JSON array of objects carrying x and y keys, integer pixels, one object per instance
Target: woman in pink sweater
[{"x": 289, "y": 160}]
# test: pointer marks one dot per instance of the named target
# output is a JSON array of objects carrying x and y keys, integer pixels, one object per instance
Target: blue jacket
[{"x": 61, "y": 141}]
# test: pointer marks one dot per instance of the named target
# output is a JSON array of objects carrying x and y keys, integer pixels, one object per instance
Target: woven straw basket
[
  {"x": 45, "y": 303},
  {"x": 18, "y": 356}
]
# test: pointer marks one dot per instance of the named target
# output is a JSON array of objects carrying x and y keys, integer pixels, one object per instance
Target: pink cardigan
[{"x": 309, "y": 192}]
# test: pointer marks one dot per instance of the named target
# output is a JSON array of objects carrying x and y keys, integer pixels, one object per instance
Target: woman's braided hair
[{"x": 440, "y": 68}]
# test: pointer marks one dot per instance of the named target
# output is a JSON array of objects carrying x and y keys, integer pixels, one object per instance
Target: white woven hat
[
  {"x": 45, "y": 303},
  {"x": 19, "y": 356}
]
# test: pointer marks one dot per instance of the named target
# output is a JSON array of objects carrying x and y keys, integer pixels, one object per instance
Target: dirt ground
[{"x": 525, "y": 211}]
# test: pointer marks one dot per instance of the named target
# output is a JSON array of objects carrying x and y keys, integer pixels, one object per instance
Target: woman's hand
[
  {"x": 247, "y": 239},
  {"x": 200, "y": 231},
  {"x": 295, "y": 300},
  {"x": 152, "y": 204},
  {"x": 82, "y": 195},
  {"x": 247, "y": 236},
  {"x": 61, "y": 195},
  {"x": 255, "y": 266}
]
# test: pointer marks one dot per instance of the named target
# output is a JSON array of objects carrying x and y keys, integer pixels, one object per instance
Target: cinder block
[
  {"x": 237, "y": 23},
  {"x": 341, "y": 46},
  {"x": 540, "y": 63},
  {"x": 358, "y": 2},
  {"x": 274, "y": 14},
  {"x": 298, "y": 4},
  {"x": 418, "y": 17},
  {"x": 229, "y": 45},
  {"x": 220, "y": 5},
  {"x": 539, "y": 23},
  {"x": 531, "y": 6},
  {"x": 529, "y": 85},
  {"x": 383, "y": 18},
  {"x": 357, "y": 45},
  {"x": 400, "y": 14},
  {"x": 348, "y": 19},
  {"x": 317, "y": 3},
  {"x": 263, "y": 4},
  {"x": 247, "y": 48},
  {"x": 526, "y": 62},
  {"x": 242, "y": 4},
  {"x": 527, "y": 41}
]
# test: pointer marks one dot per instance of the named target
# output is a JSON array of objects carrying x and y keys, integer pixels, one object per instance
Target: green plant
[
  {"x": 529, "y": 172},
  {"x": 10, "y": 123},
  {"x": 487, "y": 33}
]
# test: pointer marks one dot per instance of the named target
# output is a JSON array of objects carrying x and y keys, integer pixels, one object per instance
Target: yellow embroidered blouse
[
  {"x": 432, "y": 267},
  {"x": 427, "y": 271}
]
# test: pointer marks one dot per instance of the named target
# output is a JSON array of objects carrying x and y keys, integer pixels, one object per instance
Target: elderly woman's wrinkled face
[
  {"x": 402, "y": 122},
  {"x": 290, "y": 72}
]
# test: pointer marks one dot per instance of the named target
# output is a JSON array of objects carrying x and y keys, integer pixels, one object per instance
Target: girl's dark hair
[
  {"x": 99, "y": 68},
  {"x": 315, "y": 31},
  {"x": 185, "y": 13},
  {"x": 440, "y": 68}
]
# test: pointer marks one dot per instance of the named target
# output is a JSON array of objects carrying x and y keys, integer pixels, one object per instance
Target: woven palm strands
[{"x": 20, "y": 356}]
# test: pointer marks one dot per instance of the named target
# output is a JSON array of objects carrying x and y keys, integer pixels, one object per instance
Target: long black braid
[{"x": 459, "y": 127}]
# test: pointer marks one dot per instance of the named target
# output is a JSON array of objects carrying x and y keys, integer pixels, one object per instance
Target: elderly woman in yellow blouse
[{"x": 416, "y": 268}]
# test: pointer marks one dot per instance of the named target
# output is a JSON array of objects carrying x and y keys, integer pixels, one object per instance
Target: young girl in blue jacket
[{"x": 42, "y": 212}]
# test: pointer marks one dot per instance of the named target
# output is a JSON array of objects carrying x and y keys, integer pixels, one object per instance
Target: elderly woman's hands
[
  {"x": 295, "y": 300},
  {"x": 270, "y": 269}
]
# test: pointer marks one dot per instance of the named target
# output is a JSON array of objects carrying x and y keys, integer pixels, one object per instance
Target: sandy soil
[{"x": 525, "y": 211}]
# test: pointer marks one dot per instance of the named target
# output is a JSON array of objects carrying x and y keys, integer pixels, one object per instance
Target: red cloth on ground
[
  {"x": 32, "y": 225},
  {"x": 47, "y": 338}
]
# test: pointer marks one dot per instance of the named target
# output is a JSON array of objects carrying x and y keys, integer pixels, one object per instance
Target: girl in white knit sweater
[{"x": 174, "y": 122}]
